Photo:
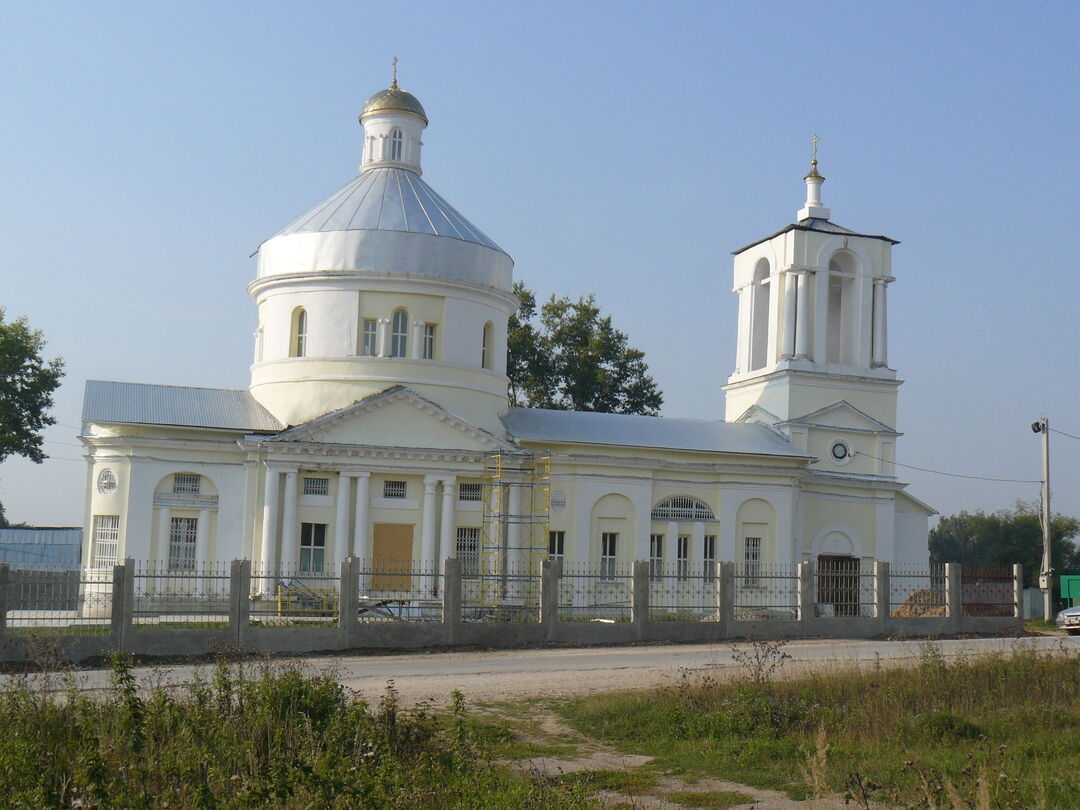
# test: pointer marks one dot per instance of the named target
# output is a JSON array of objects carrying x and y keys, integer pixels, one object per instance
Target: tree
[
  {"x": 27, "y": 382},
  {"x": 572, "y": 358},
  {"x": 1005, "y": 537}
]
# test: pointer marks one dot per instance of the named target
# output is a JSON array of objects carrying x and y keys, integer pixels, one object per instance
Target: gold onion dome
[{"x": 393, "y": 99}]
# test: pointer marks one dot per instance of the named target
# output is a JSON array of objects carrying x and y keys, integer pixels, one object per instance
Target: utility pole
[{"x": 1046, "y": 577}]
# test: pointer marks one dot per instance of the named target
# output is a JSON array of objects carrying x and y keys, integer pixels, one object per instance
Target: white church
[{"x": 376, "y": 424}]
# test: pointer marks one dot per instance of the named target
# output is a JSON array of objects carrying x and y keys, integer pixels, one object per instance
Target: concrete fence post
[
  {"x": 349, "y": 601},
  {"x": 639, "y": 606},
  {"x": 5, "y": 580},
  {"x": 118, "y": 613},
  {"x": 1018, "y": 595},
  {"x": 238, "y": 596},
  {"x": 451, "y": 599},
  {"x": 807, "y": 596},
  {"x": 882, "y": 592},
  {"x": 550, "y": 572},
  {"x": 725, "y": 596},
  {"x": 243, "y": 603},
  {"x": 954, "y": 600}
]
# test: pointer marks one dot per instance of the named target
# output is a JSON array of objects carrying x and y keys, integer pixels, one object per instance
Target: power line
[
  {"x": 1063, "y": 433},
  {"x": 951, "y": 475}
]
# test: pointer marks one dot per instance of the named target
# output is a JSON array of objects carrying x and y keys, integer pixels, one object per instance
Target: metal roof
[
  {"x": 822, "y": 225},
  {"x": 388, "y": 199},
  {"x": 580, "y": 427},
  {"x": 41, "y": 547},
  {"x": 175, "y": 405}
]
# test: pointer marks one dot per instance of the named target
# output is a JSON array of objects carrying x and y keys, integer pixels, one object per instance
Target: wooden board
[{"x": 392, "y": 555}]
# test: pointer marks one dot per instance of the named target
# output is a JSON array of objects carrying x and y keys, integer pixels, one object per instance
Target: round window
[
  {"x": 106, "y": 481},
  {"x": 840, "y": 451},
  {"x": 558, "y": 501}
]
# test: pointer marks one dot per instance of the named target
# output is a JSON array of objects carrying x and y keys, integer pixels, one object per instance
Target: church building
[{"x": 376, "y": 424}]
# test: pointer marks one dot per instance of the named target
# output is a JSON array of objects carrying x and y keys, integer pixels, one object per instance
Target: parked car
[{"x": 1069, "y": 620}]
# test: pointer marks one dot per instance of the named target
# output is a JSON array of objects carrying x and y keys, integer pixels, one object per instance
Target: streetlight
[{"x": 1046, "y": 578}]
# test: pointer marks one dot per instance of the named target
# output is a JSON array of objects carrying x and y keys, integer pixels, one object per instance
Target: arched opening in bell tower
[
  {"x": 840, "y": 320},
  {"x": 759, "y": 319}
]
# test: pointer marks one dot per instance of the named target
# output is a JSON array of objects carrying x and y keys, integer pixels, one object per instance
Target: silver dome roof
[{"x": 388, "y": 199}]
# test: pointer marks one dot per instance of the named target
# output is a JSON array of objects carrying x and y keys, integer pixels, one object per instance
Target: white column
[
  {"x": 202, "y": 535},
  {"x": 802, "y": 314},
  {"x": 361, "y": 530},
  {"x": 880, "y": 356},
  {"x": 427, "y": 536},
  {"x": 789, "y": 314},
  {"x": 164, "y": 524},
  {"x": 290, "y": 540},
  {"x": 268, "y": 553},
  {"x": 743, "y": 337},
  {"x": 515, "y": 551},
  {"x": 821, "y": 315},
  {"x": 447, "y": 522},
  {"x": 696, "y": 556},
  {"x": 417, "y": 340},
  {"x": 671, "y": 540},
  {"x": 341, "y": 520},
  {"x": 382, "y": 337}
]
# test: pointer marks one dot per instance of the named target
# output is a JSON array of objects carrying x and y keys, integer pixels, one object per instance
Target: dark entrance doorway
[{"x": 838, "y": 585}]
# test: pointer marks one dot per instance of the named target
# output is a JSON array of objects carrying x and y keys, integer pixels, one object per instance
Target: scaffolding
[{"x": 517, "y": 511}]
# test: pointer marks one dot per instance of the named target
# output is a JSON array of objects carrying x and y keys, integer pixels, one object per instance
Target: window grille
[
  {"x": 470, "y": 492},
  {"x": 399, "y": 334},
  {"x": 186, "y": 484},
  {"x": 656, "y": 555},
  {"x": 316, "y": 486},
  {"x": 608, "y": 554},
  {"x": 429, "y": 341},
  {"x": 682, "y": 558},
  {"x": 106, "y": 539},
  {"x": 556, "y": 545},
  {"x": 370, "y": 345},
  {"x": 183, "y": 532},
  {"x": 394, "y": 489},
  {"x": 682, "y": 507},
  {"x": 468, "y": 550},
  {"x": 312, "y": 547},
  {"x": 395, "y": 145},
  {"x": 752, "y": 561},
  {"x": 300, "y": 346}
]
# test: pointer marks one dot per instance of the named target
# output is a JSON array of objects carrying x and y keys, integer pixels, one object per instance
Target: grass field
[{"x": 1000, "y": 732}]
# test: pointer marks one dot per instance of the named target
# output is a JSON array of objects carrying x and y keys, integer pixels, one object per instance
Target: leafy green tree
[
  {"x": 27, "y": 382},
  {"x": 1005, "y": 537},
  {"x": 568, "y": 356}
]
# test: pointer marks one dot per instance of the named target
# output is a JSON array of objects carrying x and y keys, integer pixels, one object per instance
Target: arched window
[
  {"x": 395, "y": 145},
  {"x": 298, "y": 344},
  {"x": 759, "y": 318},
  {"x": 399, "y": 334},
  {"x": 485, "y": 346},
  {"x": 682, "y": 507},
  {"x": 840, "y": 322}
]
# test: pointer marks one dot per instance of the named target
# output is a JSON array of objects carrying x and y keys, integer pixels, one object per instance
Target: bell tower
[{"x": 812, "y": 345}]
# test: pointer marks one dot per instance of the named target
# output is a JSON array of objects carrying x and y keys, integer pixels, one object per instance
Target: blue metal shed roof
[
  {"x": 45, "y": 547},
  {"x": 175, "y": 405}
]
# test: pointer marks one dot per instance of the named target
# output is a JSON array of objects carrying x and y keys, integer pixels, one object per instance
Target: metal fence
[
  {"x": 399, "y": 590},
  {"x": 198, "y": 596},
  {"x": 766, "y": 591},
  {"x": 592, "y": 592},
  {"x": 845, "y": 586},
  {"x": 681, "y": 592},
  {"x": 286, "y": 595},
  {"x": 501, "y": 591},
  {"x": 917, "y": 591},
  {"x": 60, "y": 600},
  {"x": 987, "y": 591}
]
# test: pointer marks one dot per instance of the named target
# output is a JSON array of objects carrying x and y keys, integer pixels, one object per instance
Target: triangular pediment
[
  {"x": 757, "y": 414},
  {"x": 842, "y": 416},
  {"x": 396, "y": 417}
]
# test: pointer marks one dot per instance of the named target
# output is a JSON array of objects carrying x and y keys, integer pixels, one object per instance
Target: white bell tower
[{"x": 812, "y": 357}]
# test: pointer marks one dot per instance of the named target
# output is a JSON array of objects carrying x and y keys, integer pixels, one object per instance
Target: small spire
[
  {"x": 813, "y": 158},
  {"x": 813, "y": 209},
  {"x": 393, "y": 84}
]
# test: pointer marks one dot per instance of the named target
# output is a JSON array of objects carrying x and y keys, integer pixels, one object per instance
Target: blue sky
[{"x": 622, "y": 149}]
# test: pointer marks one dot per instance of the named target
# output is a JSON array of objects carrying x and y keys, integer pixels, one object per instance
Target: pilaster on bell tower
[{"x": 813, "y": 329}]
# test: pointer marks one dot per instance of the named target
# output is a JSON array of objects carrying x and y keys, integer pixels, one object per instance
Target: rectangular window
[
  {"x": 656, "y": 555},
  {"x": 468, "y": 550},
  {"x": 682, "y": 558},
  {"x": 369, "y": 332},
  {"x": 470, "y": 492},
  {"x": 609, "y": 542},
  {"x": 185, "y": 484},
  {"x": 182, "y": 534},
  {"x": 429, "y": 341},
  {"x": 752, "y": 561},
  {"x": 709, "y": 557},
  {"x": 394, "y": 489},
  {"x": 312, "y": 547},
  {"x": 106, "y": 538},
  {"x": 316, "y": 486},
  {"x": 556, "y": 545}
]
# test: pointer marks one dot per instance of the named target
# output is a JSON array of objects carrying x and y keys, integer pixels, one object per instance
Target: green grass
[
  {"x": 710, "y": 800},
  {"x": 896, "y": 735},
  {"x": 278, "y": 737},
  {"x": 1042, "y": 626}
]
